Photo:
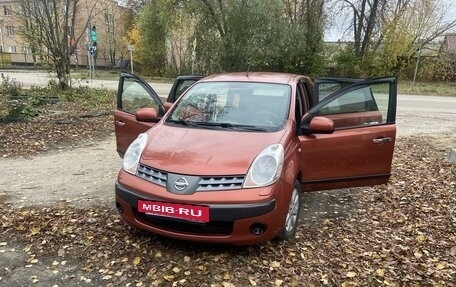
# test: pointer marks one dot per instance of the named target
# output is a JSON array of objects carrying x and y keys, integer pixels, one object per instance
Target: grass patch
[
  {"x": 427, "y": 88},
  {"x": 18, "y": 104}
]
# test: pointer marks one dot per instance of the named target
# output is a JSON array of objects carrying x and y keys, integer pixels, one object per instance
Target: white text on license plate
[{"x": 182, "y": 211}]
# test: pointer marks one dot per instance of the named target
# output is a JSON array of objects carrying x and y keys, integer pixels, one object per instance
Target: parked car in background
[{"x": 228, "y": 161}]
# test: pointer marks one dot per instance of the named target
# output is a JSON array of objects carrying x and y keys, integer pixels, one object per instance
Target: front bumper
[
  {"x": 229, "y": 223},
  {"x": 218, "y": 212}
]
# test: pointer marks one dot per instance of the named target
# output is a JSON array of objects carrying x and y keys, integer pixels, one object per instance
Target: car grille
[
  {"x": 152, "y": 175},
  {"x": 220, "y": 183},
  {"x": 178, "y": 225},
  {"x": 212, "y": 183}
]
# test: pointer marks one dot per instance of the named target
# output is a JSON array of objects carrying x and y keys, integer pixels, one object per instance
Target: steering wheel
[{"x": 265, "y": 118}]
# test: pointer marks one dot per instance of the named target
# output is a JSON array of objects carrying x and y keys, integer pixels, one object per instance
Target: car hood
[{"x": 195, "y": 151}]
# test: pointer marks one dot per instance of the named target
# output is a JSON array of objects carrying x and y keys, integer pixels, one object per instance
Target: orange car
[{"x": 228, "y": 162}]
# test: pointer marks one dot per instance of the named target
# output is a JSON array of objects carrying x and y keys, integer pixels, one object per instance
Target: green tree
[
  {"x": 151, "y": 47},
  {"x": 232, "y": 35}
]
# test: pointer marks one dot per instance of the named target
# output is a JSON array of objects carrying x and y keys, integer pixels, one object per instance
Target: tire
[{"x": 292, "y": 219}]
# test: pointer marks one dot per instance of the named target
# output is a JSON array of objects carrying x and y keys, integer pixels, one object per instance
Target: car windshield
[{"x": 233, "y": 105}]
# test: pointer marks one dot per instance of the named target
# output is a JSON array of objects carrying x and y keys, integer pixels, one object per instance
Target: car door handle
[
  {"x": 381, "y": 140},
  {"x": 371, "y": 123},
  {"x": 120, "y": 123}
]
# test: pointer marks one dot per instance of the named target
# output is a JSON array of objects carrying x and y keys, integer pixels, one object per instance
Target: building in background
[
  {"x": 449, "y": 43},
  {"x": 107, "y": 17}
]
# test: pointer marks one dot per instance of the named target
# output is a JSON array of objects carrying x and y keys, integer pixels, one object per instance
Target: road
[
  {"x": 415, "y": 114},
  {"x": 34, "y": 78}
]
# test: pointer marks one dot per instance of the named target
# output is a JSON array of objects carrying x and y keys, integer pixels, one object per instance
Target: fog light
[
  {"x": 257, "y": 228},
  {"x": 119, "y": 208}
]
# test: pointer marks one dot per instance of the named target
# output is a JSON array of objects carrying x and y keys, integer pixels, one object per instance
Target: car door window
[
  {"x": 363, "y": 106},
  {"x": 183, "y": 86},
  {"x": 134, "y": 97},
  {"x": 327, "y": 86}
]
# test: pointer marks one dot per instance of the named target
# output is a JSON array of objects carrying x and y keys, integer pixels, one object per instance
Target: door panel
[
  {"x": 355, "y": 119},
  {"x": 347, "y": 158},
  {"x": 133, "y": 94},
  {"x": 127, "y": 129},
  {"x": 360, "y": 150}
]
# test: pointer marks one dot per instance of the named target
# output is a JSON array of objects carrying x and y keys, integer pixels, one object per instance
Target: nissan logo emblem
[{"x": 181, "y": 183}]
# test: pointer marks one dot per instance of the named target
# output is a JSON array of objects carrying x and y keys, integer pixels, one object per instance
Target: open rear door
[
  {"x": 133, "y": 94},
  {"x": 359, "y": 152}
]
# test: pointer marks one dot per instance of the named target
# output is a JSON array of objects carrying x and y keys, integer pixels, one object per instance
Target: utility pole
[
  {"x": 131, "y": 49},
  {"x": 193, "y": 56},
  {"x": 89, "y": 57},
  {"x": 93, "y": 46}
]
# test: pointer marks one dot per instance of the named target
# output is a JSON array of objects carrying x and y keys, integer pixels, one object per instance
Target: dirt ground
[{"x": 82, "y": 175}]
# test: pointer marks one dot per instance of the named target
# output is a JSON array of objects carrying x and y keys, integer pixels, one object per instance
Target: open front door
[
  {"x": 359, "y": 152},
  {"x": 133, "y": 94},
  {"x": 323, "y": 87}
]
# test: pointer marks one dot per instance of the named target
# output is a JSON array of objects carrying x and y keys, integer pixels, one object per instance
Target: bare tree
[
  {"x": 367, "y": 15},
  {"x": 387, "y": 33},
  {"x": 49, "y": 29}
]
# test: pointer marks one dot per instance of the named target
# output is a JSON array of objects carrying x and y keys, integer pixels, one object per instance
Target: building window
[
  {"x": 19, "y": 9},
  {"x": 26, "y": 50},
  {"x": 10, "y": 31},
  {"x": 109, "y": 18},
  {"x": 12, "y": 49},
  {"x": 110, "y": 30},
  {"x": 6, "y": 10}
]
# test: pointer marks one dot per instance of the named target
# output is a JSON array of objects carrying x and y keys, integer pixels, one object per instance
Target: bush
[
  {"x": 14, "y": 103},
  {"x": 18, "y": 104}
]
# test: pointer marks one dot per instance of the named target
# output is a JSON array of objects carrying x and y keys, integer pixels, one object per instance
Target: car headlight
[
  {"x": 266, "y": 168},
  {"x": 133, "y": 153}
]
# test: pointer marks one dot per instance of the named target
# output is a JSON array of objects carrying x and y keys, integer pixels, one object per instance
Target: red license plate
[{"x": 182, "y": 211}]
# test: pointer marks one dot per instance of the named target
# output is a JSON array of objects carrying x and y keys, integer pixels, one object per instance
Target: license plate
[{"x": 182, "y": 211}]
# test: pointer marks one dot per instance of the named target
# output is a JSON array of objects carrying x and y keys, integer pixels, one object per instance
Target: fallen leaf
[
  {"x": 275, "y": 264},
  {"x": 34, "y": 231},
  {"x": 421, "y": 238},
  {"x": 168, "y": 277},
  {"x": 136, "y": 261},
  {"x": 351, "y": 274}
]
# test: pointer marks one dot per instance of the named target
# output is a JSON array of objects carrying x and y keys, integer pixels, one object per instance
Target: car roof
[{"x": 264, "y": 77}]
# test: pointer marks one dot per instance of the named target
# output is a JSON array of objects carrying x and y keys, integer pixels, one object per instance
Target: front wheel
[{"x": 294, "y": 209}]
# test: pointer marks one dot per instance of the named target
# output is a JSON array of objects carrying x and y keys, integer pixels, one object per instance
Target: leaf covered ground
[
  {"x": 61, "y": 125},
  {"x": 399, "y": 234}
]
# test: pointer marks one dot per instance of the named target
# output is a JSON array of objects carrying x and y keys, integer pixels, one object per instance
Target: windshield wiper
[
  {"x": 212, "y": 125},
  {"x": 232, "y": 126},
  {"x": 182, "y": 122}
]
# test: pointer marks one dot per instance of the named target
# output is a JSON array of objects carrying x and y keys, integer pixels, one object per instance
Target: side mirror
[
  {"x": 318, "y": 125},
  {"x": 146, "y": 115}
]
